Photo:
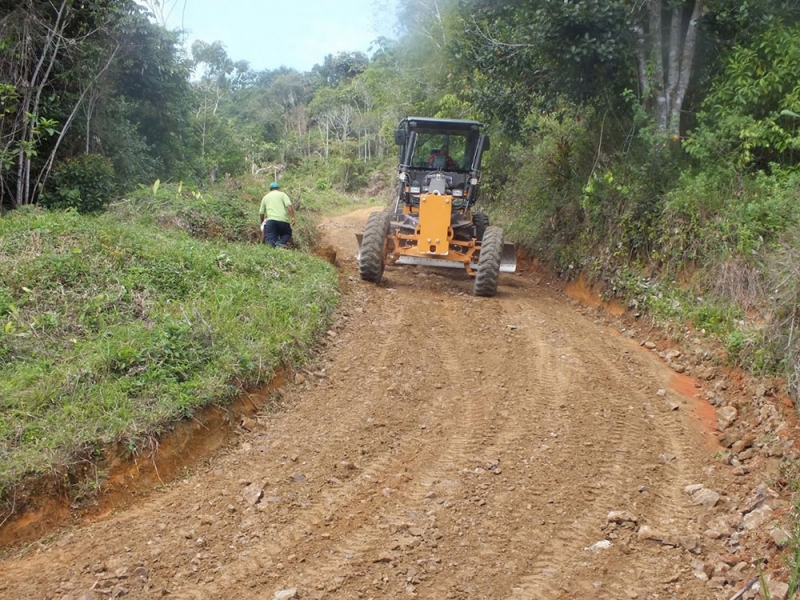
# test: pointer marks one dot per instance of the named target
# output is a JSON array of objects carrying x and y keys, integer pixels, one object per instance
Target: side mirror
[
  {"x": 400, "y": 137},
  {"x": 486, "y": 145}
]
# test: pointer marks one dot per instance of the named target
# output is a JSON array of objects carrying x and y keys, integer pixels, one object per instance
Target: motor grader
[{"x": 432, "y": 221}]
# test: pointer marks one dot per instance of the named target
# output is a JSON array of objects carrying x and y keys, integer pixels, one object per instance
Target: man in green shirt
[{"x": 277, "y": 216}]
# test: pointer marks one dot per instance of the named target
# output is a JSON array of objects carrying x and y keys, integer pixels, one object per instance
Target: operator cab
[{"x": 440, "y": 156}]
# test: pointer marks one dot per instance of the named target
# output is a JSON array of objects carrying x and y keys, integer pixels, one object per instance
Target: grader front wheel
[
  {"x": 489, "y": 262},
  {"x": 481, "y": 222},
  {"x": 370, "y": 265}
]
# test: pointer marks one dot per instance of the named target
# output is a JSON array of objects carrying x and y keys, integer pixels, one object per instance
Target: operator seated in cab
[{"x": 440, "y": 159}]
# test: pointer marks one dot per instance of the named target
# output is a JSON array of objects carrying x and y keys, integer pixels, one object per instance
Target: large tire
[
  {"x": 370, "y": 265},
  {"x": 489, "y": 263},
  {"x": 481, "y": 222}
]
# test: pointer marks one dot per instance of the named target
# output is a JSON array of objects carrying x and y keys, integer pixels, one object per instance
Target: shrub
[{"x": 85, "y": 183}]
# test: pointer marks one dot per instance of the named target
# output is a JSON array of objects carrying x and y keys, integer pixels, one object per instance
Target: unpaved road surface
[{"x": 441, "y": 446}]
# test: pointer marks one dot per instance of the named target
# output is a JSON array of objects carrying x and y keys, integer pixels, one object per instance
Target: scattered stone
[
  {"x": 721, "y": 527},
  {"x": 742, "y": 444},
  {"x": 756, "y": 518},
  {"x": 737, "y": 573},
  {"x": 252, "y": 494},
  {"x": 702, "y": 496},
  {"x": 299, "y": 379},
  {"x": 780, "y": 536},
  {"x": 661, "y": 392},
  {"x": 384, "y": 557},
  {"x": 601, "y": 545},
  {"x": 141, "y": 573},
  {"x": 649, "y": 345},
  {"x": 691, "y": 543},
  {"x": 778, "y": 590},
  {"x": 287, "y": 594},
  {"x": 692, "y": 489},
  {"x": 726, "y": 416},
  {"x": 755, "y": 499},
  {"x": 620, "y": 516},
  {"x": 666, "y": 458},
  {"x": 648, "y": 533},
  {"x": 298, "y": 478},
  {"x": 700, "y": 574},
  {"x": 729, "y": 438},
  {"x": 706, "y": 373}
]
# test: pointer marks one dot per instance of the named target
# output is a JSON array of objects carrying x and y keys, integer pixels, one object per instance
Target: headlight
[
  {"x": 402, "y": 176},
  {"x": 473, "y": 181},
  {"x": 458, "y": 193},
  {"x": 414, "y": 189}
]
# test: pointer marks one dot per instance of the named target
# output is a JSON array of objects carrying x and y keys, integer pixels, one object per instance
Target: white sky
[{"x": 293, "y": 33}]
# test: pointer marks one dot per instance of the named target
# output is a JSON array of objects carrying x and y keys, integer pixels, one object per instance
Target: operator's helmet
[{"x": 274, "y": 185}]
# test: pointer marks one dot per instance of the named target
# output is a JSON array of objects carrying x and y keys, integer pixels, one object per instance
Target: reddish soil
[{"x": 441, "y": 446}]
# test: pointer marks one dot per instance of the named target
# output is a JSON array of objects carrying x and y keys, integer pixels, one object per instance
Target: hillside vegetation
[{"x": 114, "y": 328}]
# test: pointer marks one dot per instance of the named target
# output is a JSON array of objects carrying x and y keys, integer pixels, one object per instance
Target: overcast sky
[{"x": 293, "y": 33}]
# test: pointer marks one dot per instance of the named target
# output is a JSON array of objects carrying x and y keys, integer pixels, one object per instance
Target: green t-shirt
[{"x": 273, "y": 206}]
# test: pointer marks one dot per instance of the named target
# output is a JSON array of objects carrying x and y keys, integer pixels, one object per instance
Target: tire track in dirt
[
  {"x": 628, "y": 442},
  {"x": 462, "y": 417},
  {"x": 360, "y": 488}
]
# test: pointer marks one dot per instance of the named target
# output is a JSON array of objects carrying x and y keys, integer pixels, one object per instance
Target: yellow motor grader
[{"x": 432, "y": 222}]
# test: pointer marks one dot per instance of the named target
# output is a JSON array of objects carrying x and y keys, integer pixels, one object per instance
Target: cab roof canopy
[{"x": 440, "y": 125}]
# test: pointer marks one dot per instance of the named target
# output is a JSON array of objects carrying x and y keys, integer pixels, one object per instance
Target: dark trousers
[{"x": 277, "y": 233}]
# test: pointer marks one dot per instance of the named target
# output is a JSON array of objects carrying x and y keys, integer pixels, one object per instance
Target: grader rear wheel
[
  {"x": 370, "y": 265},
  {"x": 489, "y": 263}
]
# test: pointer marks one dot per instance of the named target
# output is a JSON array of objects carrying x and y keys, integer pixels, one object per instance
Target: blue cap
[{"x": 274, "y": 185}]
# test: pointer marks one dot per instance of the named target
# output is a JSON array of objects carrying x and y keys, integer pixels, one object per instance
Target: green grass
[{"x": 111, "y": 328}]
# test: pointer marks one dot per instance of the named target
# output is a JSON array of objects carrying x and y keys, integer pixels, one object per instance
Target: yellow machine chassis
[{"x": 433, "y": 238}]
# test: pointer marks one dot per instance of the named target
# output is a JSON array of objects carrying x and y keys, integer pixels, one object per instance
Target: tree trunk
[
  {"x": 687, "y": 60},
  {"x": 671, "y": 55}
]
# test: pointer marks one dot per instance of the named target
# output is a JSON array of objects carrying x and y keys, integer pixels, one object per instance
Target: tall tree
[
  {"x": 584, "y": 50},
  {"x": 40, "y": 43},
  {"x": 665, "y": 57}
]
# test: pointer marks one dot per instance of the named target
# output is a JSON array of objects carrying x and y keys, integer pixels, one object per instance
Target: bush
[
  {"x": 750, "y": 118},
  {"x": 719, "y": 212},
  {"x": 85, "y": 183}
]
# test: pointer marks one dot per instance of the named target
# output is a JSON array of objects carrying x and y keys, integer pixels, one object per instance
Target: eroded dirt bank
[{"x": 443, "y": 446}]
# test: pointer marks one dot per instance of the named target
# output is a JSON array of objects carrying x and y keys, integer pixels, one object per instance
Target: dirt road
[{"x": 442, "y": 446}]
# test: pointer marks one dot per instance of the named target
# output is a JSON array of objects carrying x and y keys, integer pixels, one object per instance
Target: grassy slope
[{"x": 111, "y": 328}]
